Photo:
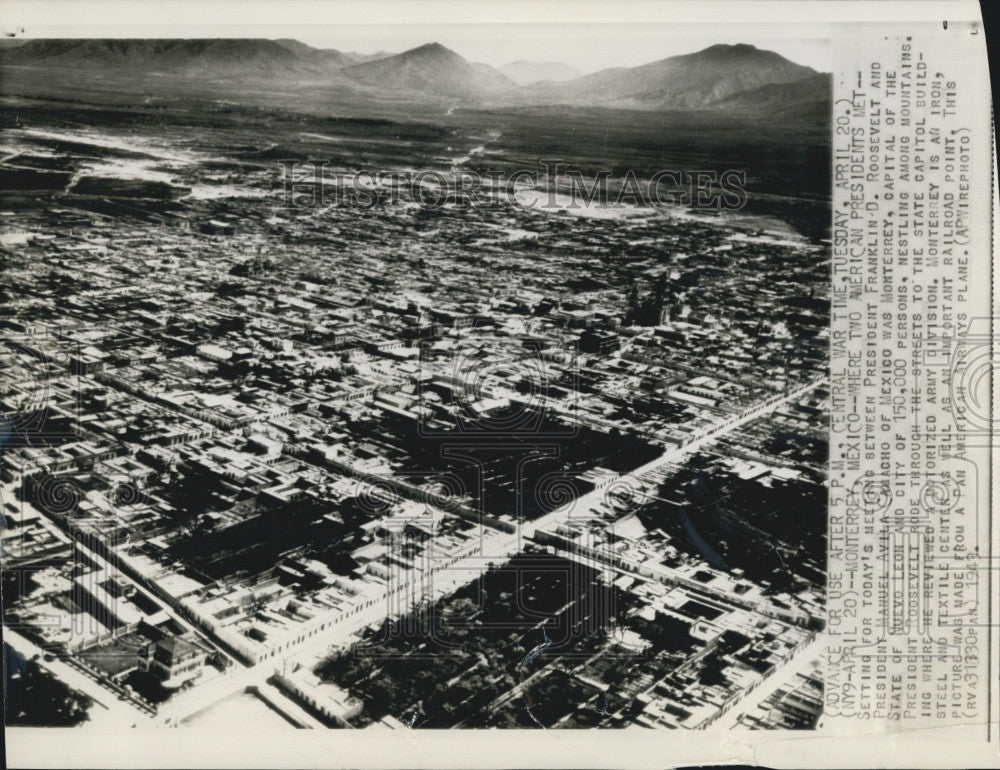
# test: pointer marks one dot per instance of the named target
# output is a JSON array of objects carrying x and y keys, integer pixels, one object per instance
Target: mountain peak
[
  {"x": 432, "y": 50},
  {"x": 737, "y": 53},
  {"x": 734, "y": 48},
  {"x": 430, "y": 68}
]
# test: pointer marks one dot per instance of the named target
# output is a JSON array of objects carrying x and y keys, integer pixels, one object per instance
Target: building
[
  {"x": 593, "y": 341},
  {"x": 173, "y": 661}
]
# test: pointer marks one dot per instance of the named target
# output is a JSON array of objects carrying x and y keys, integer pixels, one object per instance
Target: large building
[{"x": 173, "y": 661}]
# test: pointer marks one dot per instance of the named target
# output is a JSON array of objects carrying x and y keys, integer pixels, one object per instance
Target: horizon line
[{"x": 355, "y": 50}]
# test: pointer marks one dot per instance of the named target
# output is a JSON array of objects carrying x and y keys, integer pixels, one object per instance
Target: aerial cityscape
[{"x": 287, "y": 441}]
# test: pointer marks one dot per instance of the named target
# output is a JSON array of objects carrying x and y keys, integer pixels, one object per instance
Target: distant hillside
[
  {"x": 811, "y": 96},
  {"x": 702, "y": 80},
  {"x": 363, "y": 57},
  {"x": 297, "y": 46},
  {"x": 527, "y": 72},
  {"x": 431, "y": 69},
  {"x": 224, "y": 57},
  {"x": 328, "y": 56}
]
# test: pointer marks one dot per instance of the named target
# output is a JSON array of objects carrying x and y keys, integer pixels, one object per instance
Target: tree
[
  {"x": 380, "y": 698},
  {"x": 34, "y": 698}
]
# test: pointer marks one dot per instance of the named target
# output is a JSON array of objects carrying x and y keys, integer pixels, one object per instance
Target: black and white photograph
[{"x": 408, "y": 376}]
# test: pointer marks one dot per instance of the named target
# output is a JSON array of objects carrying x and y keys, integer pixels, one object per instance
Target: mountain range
[
  {"x": 728, "y": 78},
  {"x": 695, "y": 81}
]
